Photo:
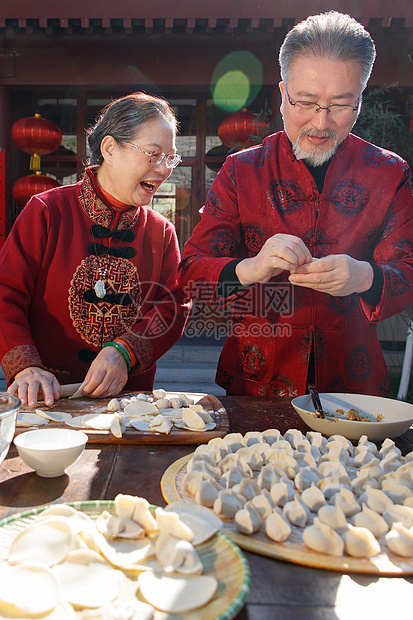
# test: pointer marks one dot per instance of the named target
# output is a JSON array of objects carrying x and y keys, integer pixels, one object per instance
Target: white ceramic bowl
[
  {"x": 50, "y": 451},
  {"x": 397, "y": 415},
  {"x": 9, "y": 408}
]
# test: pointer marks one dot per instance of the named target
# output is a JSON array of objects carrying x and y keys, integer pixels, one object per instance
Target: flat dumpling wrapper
[
  {"x": 46, "y": 541},
  {"x": 87, "y": 580},
  {"x": 28, "y": 591},
  {"x": 177, "y": 595},
  {"x": 125, "y": 553}
]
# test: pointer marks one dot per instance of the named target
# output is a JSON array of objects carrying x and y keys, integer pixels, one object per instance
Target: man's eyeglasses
[
  {"x": 336, "y": 110},
  {"x": 171, "y": 161}
]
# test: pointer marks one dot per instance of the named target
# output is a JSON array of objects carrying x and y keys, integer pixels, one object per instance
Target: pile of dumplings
[
  {"x": 65, "y": 561},
  {"x": 329, "y": 495}
]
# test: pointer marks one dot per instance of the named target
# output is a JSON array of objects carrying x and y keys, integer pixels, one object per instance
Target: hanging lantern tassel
[{"x": 35, "y": 162}]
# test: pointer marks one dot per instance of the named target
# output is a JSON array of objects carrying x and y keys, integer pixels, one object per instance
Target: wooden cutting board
[{"x": 81, "y": 406}]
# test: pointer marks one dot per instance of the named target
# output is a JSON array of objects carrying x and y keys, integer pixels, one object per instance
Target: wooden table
[{"x": 279, "y": 590}]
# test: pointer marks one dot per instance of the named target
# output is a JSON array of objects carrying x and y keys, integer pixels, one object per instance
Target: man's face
[{"x": 324, "y": 81}]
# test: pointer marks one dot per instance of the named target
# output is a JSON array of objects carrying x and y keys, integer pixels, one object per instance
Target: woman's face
[{"x": 130, "y": 175}]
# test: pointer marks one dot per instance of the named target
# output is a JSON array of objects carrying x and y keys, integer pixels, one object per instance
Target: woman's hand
[
  {"x": 337, "y": 275},
  {"x": 281, "y": 252},
  {"x": 107, "y": 374},
  {"x": 29, "y": 382}
]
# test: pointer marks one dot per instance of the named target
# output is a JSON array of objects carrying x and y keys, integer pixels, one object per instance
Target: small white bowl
[
  {"x": 397, "y": 415},
  {"x": 50, "y": 451}
]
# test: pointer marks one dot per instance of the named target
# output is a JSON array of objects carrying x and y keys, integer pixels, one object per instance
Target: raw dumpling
[
  {"x": 248, "y": 488},
  {"x": 317, "y": 440},
  {"x": 234, "y": 460},
  {"x": 364, "y": 441},
  {"x": 334, "y": 517},
  {"x": 376, "y": 499},
  {"x": 347, "y": 502},
  {"x": 306, "y": 477},
  {"x": 271, "y": 435},
  {"x": 293, "y": 436},
  {"x": 284, "y": 461},
  {"x": 320, "y": 537},
  {"x": 248, "y": 520},
  {"x": 228, "y": 503},
  {"x": 313, "y": 498},
  {"x": 359, "y": 542},
  {"x": 253, "y": 437},
  {"x": 400, "y": 540},
  {"x": 397, "y": 492},
  {"x": 233, "y": 476},
  {"x": 207, "y": 492},
  {"x": 362, "y": 456},
  {"x": 263, "y": 504},
  {"x": 296, "y": 512},
  {"x": 252, "y": 457},
  {"x": 268, "y": 476},
  {"x": 363, "y": 481},
  {"x": 401, "y": 514},
  {"x": 235, "y": 441},
  {"x": 282, "y": 492},
  {"x": 371, "y": 520},
  {"x": 277, "y": 527}
]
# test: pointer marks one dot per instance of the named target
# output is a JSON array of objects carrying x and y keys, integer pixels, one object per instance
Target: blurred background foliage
[{"x": 386, "y": 120}]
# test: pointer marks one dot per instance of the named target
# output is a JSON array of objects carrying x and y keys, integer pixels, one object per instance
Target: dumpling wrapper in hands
[{"x": 177, "y": 595}]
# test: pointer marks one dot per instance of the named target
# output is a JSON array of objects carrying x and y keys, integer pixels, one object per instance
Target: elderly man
[{"x": 309, "y": 235}]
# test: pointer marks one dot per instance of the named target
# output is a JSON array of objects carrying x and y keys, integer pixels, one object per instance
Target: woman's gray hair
[
  {"x": 328, "y": 35},
  {"x": 121, "y": 119}
]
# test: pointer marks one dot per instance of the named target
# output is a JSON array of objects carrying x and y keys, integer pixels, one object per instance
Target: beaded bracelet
[{"x": 121, "y": 350}]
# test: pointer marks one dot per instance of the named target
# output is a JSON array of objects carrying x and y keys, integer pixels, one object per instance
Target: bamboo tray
[{"x": 293, "y": 550}]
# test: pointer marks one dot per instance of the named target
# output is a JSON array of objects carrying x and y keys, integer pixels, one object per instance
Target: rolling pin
[{"x": 71, "y": 390}]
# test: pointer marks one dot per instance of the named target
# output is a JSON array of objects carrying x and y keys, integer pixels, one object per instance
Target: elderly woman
[{"x": 88, "y": 284}]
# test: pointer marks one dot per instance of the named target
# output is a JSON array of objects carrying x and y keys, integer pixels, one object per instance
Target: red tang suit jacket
[
  {"x": 365, "y": 210},
  {"x": 61, "y": 244}
]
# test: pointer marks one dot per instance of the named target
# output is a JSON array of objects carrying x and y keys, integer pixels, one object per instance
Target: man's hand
[
  {"x": 337, "y": 275},
  {"x": 281, "y": 252}
]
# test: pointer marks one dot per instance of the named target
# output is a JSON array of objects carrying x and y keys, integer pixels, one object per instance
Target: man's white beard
[{"x": 315, "y": 157}]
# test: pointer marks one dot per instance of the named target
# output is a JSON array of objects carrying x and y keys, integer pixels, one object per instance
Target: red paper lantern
[
  {"x": 238, "y": 129},
  {"x": 26, "y": 187},
  {"x": 37, "y": 136}
]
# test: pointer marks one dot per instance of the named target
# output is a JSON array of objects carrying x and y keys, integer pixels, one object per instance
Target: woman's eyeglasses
[{"x": 171, "y": 161}]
